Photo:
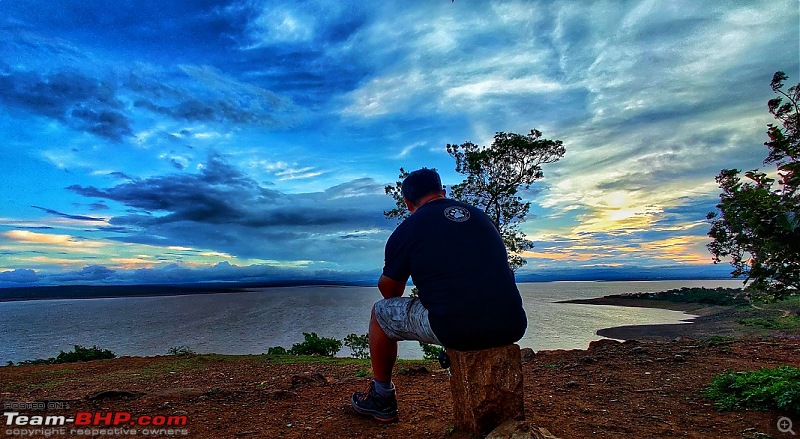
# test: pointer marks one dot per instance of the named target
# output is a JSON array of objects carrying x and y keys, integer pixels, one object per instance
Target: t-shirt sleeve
[{"x": 395, "y": 263}]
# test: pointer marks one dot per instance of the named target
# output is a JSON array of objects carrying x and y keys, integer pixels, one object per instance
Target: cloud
[
  {"x": 222, "y": 209},
  {"x": 96, "y": 206},
  {"x": 79, "y": 101},
  {"x": 88, "y": 274},
  {"x": 178, "y": 273},
  {"x": 109, "y": 99},
  {"x": 28, "y": 237},
  {"x": 19, "y": 276}
]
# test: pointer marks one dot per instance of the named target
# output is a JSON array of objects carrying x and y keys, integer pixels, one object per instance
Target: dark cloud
[
  {"x": 19, "y": 276},
  {"x": 68, "y": 216},
  {"x": 176, "y": 164},
  {"x": 79, "y": 101},
  {"x": 213, "y": 195},
  {"x": 223, "y": 209},
  {"x": 91, "y": 273}
]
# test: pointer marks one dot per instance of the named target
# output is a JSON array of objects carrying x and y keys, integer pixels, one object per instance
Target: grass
[
  {"x": 781, "y": 316},
  {"x": 763, "y": 389}
]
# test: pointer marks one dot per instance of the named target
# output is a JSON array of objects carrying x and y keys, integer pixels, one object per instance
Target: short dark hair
[{"x": 420, "y": 183}]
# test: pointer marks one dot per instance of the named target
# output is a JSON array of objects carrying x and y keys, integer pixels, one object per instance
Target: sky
[{"x": 152, "y": 141}]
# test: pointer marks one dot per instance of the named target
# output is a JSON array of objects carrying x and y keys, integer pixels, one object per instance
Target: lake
[{"x": 249, "y": 323}]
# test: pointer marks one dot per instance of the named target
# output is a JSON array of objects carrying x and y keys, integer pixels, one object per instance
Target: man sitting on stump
[{"x": 468, "y": 298}]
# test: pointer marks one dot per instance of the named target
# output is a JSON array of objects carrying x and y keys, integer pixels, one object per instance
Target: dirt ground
[{"x": 636, "y": 389}]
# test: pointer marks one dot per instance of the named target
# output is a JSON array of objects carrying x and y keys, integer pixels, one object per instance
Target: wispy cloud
[{"x": 28, "y": 237}]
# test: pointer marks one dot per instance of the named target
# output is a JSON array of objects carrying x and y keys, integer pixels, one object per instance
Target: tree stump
[{"x": 487, "y": 388}]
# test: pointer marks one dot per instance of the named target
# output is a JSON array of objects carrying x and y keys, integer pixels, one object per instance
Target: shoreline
[{"x": 704, "y": 321}]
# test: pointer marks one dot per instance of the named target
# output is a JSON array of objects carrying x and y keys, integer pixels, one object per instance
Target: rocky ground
[{"x": 639, "y": 389}]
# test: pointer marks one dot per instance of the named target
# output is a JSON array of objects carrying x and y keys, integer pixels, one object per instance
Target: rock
[
  {"x": 603, "y": 343},
  {"x": 589, "y": 360},
  {"x": 487, "y": 388},
  {"x": 527, "y": 354},
  {"x": 638, "y": 350},
  {"x": 519, "y": 430},
  {"x": 571, "y": 384},
  {"x": 679, "y": 359},
  {"x": 308, "y": 378}
]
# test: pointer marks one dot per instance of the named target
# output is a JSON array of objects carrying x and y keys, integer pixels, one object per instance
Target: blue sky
[{"x": 212, "y": 140}]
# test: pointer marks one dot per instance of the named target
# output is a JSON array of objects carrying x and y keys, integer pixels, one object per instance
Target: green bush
[
  {"x": 763, "y": 389},
  {"x": 430, "y": 351},
  {"x": 316, "y": 345},
  {"x": 79, "y": 353},
  {"x": 358, "y": 344}
]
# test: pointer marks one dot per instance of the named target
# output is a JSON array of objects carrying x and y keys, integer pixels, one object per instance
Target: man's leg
[
  {"x": 382, "y": 351},
  {"x": 398, "y": 318}
]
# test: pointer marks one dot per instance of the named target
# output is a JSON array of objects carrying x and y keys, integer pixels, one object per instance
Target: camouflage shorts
[{"x": 404, "y": 318}]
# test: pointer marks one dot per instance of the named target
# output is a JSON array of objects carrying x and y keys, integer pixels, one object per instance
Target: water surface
[{"x": 249, "y": 323}]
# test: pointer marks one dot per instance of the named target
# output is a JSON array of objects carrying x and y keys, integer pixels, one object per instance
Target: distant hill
[{"x": 106, "y": 291}]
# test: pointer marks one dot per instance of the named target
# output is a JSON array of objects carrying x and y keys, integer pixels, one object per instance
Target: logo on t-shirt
[{"x": 457, "y": 214}]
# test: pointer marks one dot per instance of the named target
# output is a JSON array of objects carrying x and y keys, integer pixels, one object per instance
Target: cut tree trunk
[{"x": 487, "y": 388}]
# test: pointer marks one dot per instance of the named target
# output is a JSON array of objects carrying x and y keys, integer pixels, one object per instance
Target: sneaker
[{"x": 383, "y": 409}]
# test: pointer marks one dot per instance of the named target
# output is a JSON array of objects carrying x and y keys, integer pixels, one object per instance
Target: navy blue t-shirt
[{"x": 456, "y": 258}]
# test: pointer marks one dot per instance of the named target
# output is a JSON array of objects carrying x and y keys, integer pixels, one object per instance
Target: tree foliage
[
  {"x": 358, "y": 344},
  {"x": 313, "y": 344},
  {"x": 494, "y": 178},
  {"x": 758, "y": 224}
]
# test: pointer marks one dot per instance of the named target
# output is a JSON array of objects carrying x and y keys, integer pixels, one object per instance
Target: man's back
[{"x": 457, "y": 260}]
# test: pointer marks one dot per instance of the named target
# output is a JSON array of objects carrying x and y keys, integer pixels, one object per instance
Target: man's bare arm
[{"x": 390, "y": 287}]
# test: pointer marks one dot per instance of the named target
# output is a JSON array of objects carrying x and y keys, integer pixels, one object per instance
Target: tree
[
  {"x": 758, "y": 225},
  {"x": 495, "y": 176}
]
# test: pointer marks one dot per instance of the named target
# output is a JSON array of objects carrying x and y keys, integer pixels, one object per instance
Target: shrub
[
  {"x": 430, "y": 351},
  {"x": 763, "y": 389},
  {"x": 359, "y": 344},
  {"x": 181, "y": 350},
  {"x": 79, "y": 353},
  {"x": 316, "y": 345}
]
